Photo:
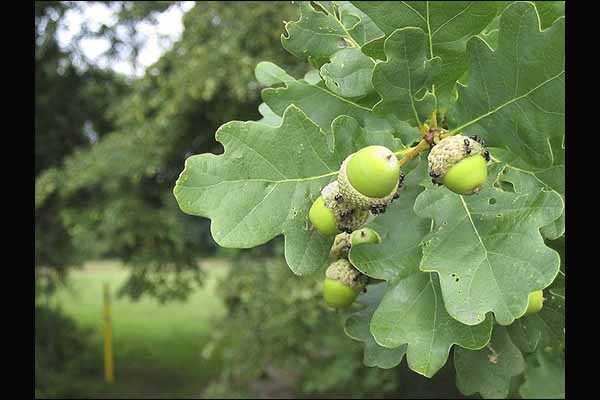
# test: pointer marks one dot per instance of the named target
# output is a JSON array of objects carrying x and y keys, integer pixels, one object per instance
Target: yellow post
[{"x": 108, "y": 352}]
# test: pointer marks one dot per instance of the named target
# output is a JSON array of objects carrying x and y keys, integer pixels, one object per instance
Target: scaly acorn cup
[
  {"x": 348, "y": 217},
  {"x": 535, "y": 302},
  {"x": 341, "y": 246},
  {"x": 370, "y": 178},
  {"x": 344, "y": 241},
  {"x": 342, "y": 284},
  {"x": 460, "y": 163}
]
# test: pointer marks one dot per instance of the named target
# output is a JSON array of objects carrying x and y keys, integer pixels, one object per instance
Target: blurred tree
[
  {"x": 279, "y": 340},
  {"x": 114, "y": 198},
  {"x": 70, "y": 114}
]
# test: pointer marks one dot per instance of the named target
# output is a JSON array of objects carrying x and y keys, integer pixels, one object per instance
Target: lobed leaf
[
  {"x": 323, "y": 106},
  {"x": 406, "y": 73},
  {"x": 267, "y": 179},
  {"x": 401, "y": 230},
  {"x": 356, "y": 326},
  {"x": 412, "y": 312},
  {"x": 515, "y": 94},
  {"x": 488, "y": 371},
  {"x": 550, "y": 179},
  {"x": 487, "y": 249},
  {"x": 349, "y": 73},
  {"x": 544, "y": 377},
  {"x": 544, "y": 329},
  {"x": 317, "y": 34},
  {"x": 447, "y": 26}
]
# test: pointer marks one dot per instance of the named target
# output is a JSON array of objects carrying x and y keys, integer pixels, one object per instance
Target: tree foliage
[
  {"x": 458, "y": 269},
  {"x": 113, "y": 198}
]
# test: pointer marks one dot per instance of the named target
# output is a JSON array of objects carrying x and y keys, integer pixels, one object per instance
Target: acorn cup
[
  {"x": 459, "y": 163},
  {"x": 330, "y": 214},
  {"x": 343, "y": 283}
]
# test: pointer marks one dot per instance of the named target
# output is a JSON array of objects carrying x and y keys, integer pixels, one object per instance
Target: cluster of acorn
[
  {"x": 343, "y": 282},
  {"x": 367, "y": 183}
]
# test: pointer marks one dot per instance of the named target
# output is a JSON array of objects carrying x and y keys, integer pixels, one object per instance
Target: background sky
[{"x": 158, "y": 38}]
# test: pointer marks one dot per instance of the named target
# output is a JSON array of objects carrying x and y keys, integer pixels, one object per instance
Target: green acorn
[
  {"x": 364, "y": 235},
  {"x": 459, "y": 163},
  {"x": 370, "y": 178},
  {"x": 535, "y": 302},
  {"x": 348, "y": 217},
  {"x": 374, "y": 171},
  {"x": 330, "y": 214},
  {"x": 344, "y": 241},
  {"x": 323, "y": 218},
  {"x": 343, "y": 283}
]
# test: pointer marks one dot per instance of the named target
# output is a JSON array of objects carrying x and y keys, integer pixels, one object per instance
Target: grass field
[{"x": 157, "y": 347}]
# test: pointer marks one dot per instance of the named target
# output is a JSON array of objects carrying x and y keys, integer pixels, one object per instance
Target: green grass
[{"x": 157, "y": 347}]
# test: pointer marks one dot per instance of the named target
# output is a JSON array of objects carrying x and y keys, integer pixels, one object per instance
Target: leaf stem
[{"x": 412, "y": 152}]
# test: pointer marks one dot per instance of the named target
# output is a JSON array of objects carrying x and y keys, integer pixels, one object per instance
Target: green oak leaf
[
  {"x": 269, "y": 74},
  {"x": 490, "y": 33},
  {"x": 488, "y": 371},
  {"x": 268, "y": 116},
  {"x": 325, "y": 27},
  {"x": 313, "y": 77},
  {"x": 487, "y": 249},
  {"x": 400, "y": 249},
  {"x": 323, "y": 106},
  {"x": 491, "y": 38},
  {"x": 366, "y": 30},
  {"x": 266, "y": 180},
  {"x": 549, "y": 11},
  {"x": 543, "y": 329},
  {"x": 349, "y": 73},
  {"x": 552, "y": 178},
  {"x": 412, "y": 312},
  {"x": 515, "y": 94},
  {"x": 407, "y": 72},
  {"x": 317, "y": 34},
  {"x": 544, "y": 376},
  {"x": 448, "y": 26},
  {"x": 558, "y": 287},
  {"x": 356, "y": 326},
  {"x": 350, "y": 137},
  {"x": 374, "y": 48}
]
